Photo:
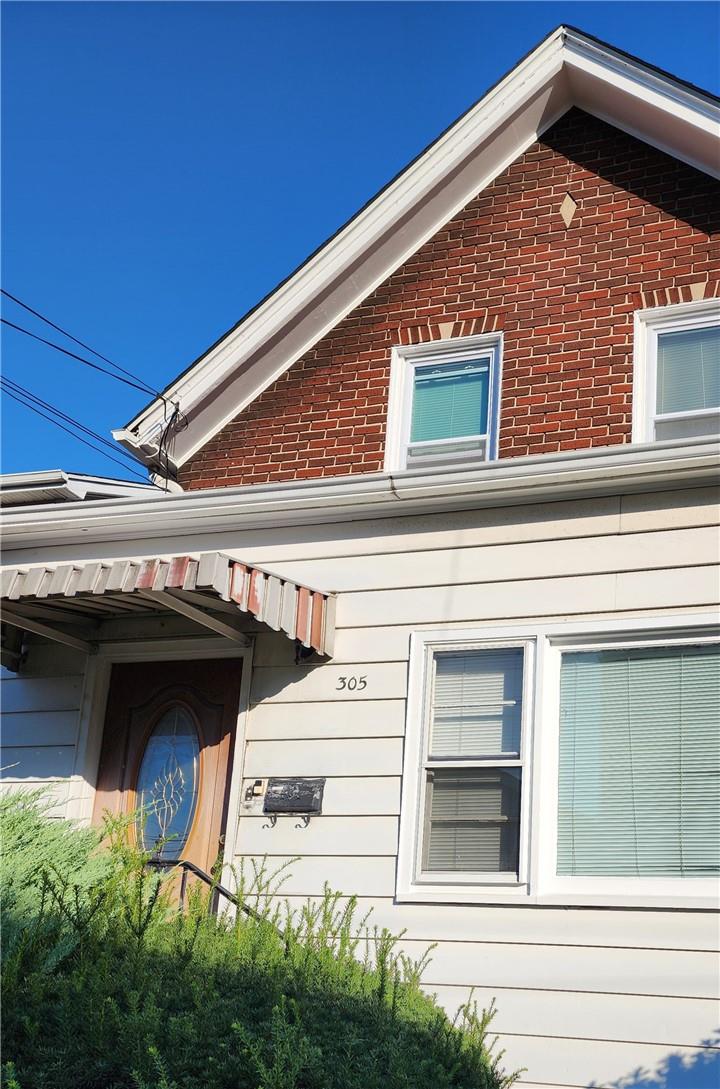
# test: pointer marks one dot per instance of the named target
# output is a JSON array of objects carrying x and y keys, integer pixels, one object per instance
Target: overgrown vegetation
[{"x": 107, "y": 986}]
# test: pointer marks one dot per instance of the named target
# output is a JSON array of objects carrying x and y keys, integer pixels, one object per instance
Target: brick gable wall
[{"x": 642, "y": 235}]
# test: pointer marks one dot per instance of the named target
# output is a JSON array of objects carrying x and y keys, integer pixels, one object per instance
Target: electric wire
[
  {"x": 15, "y": 387},
  {"x": 34, "y": 408},
  {"x": 73, "y": 355},
  {"x": 82, "y": 344}
]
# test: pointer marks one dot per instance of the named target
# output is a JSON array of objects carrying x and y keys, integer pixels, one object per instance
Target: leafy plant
[{"x": 106, "y": 985}]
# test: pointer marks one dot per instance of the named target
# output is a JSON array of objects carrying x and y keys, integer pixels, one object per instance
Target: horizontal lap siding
[
  {"x": 669, "y": 587},
  {"x": 551, "y": 926},
  {"x": 544, "y": 1013},
  {"x": 608, "y": 1063},
  {"x": 504, "y": 562},
  {"x": 583, "y": 994},
  {"x": 39, "y": 726}
]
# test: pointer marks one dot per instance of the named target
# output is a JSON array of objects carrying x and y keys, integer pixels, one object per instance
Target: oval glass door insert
[{"x": 167, "y": 784}]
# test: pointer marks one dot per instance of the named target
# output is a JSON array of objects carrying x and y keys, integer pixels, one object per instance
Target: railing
[{"x": 218, "y": 890}]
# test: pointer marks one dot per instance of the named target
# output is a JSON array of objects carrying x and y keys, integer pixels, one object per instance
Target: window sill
[
  {"x": 516, "y": 895},
  {"x": 464, "y": 894}
]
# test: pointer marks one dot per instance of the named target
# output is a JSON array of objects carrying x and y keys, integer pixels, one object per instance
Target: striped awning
[{"x": 208, "y": 588}]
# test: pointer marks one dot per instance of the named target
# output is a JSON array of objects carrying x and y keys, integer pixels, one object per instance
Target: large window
[
  {"x": 676, "y": 386},
  {"x": 579, "y": 765},
  {"x": 639, "y": 768},
  {"x": 444, "y": 400}
]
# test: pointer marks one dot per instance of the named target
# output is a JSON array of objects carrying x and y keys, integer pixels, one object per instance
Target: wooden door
[{"x": 167, "y": 754}]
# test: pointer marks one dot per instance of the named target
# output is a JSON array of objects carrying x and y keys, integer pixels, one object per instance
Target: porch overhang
[{"x": 67, "y": 602}]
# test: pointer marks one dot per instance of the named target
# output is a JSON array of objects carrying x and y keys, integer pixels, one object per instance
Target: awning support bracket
[
  {"x": 34, "y": 626},
  {"x": 192, "y": 612}
]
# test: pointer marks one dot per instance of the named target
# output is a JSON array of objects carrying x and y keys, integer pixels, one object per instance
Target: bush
[{"x": 107, "y": 986}]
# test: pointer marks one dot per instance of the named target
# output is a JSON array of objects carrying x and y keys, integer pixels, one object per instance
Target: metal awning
[{"x": 210, "y": 589}]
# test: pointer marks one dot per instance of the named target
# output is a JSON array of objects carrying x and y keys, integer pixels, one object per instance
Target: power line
[
  {"x": 15, "y": 387},
  {"x": 75, "y": 340},
  {"x": 95, "y": 366},
  {"x": 79, "y": 438},
  {"x": 98, "y": 449}
]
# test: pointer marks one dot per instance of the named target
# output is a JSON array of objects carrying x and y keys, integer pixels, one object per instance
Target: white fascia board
[
  {"x": 671, "y": 117},
  {"x": 48, "y": 478},
  {"x": 566, "y": 69},
  {"x": 540, "y": 478}
]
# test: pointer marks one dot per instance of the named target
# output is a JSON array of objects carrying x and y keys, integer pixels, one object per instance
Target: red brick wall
[{"x": 564, "y": 298}]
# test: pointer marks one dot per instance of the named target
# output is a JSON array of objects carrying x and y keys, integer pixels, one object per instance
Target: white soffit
[
  {"x": 567, "y": 69},
  {"x": 57, "y": 486}
]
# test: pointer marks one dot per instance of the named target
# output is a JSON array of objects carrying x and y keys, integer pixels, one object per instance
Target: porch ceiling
[{"x": 210, "y": 589}]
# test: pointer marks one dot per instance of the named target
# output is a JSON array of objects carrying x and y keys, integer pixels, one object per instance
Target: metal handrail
[{"x": 217, "y": 889}]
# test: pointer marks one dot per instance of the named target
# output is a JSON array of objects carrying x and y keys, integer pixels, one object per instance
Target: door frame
[{"x": 94, "y": 706}]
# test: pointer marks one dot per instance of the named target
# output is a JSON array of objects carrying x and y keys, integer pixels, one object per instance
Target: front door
[{"x": 167, "y": 754}]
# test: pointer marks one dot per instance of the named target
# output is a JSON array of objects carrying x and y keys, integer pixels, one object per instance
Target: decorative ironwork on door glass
[{"x": 167, "y": 784}]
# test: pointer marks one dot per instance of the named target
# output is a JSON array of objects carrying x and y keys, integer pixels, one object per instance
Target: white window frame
[
  {"x": 441, "y": 887},
  {"x": 649, "y": 324},
  {"x": 403, "y": 361},
  {"x": 537, "y": 881}
]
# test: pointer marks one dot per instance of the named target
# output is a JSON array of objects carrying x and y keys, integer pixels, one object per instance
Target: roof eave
[{"x": 536, "y": 479}]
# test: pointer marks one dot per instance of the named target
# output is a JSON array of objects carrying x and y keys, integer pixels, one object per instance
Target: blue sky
[{"x": 165, "y": 164}]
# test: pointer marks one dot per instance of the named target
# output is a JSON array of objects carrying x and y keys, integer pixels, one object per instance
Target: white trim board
[{"x": 566, "y": 69}]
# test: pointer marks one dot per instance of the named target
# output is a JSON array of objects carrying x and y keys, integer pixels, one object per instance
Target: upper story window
[
  {"x": 676, "y": 382},
  {"x": 444, "y": 403}
]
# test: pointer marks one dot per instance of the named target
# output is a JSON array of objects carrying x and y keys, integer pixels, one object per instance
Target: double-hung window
[
  {"x": 571, "y": 764},
  {"x": 469, "y": 791},
  {"x": 444, "y": 403},
  {"x": 676, "y": 384}
]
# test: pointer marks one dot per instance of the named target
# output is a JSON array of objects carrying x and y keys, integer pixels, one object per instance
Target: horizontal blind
[
  {"x": 472, "y": 820},
  {"x": 688, "y": 370},
  {"x": 477, "y": 703},
  {"x": 450, "y": 401},
  {"x": 639, "y": 763}
]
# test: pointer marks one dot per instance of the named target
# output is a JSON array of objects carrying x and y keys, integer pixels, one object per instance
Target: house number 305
[{"x": 351, "y": 684}]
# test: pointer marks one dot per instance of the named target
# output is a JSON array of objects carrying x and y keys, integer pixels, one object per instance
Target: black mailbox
[{"x": 300, "y": 796}]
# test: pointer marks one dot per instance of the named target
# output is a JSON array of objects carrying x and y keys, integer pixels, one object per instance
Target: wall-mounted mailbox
[{"x": 301, "y": 797}]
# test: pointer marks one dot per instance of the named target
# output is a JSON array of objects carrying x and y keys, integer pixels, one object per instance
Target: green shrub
[{"x": 107, "y": 986}]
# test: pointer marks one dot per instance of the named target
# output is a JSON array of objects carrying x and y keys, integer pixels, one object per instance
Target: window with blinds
[
  {"x": 473, "y": 768},
  {"x": 450, "y": 402},
  {"x": 687, "y": 383},
  {"x": 639, "y": 763}
]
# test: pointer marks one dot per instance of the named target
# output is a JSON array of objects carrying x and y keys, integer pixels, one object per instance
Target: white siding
[
  {"x": 585, "y": 995},
  {"x": 39, "y": 725}
]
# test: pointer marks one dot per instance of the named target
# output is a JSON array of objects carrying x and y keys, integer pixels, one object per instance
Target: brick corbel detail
[{"x": 468, "y": 324}]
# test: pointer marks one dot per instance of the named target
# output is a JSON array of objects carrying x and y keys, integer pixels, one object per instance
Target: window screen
[
  {"x": 639, "y": 763},
  {"x": 688, "y": 370},
  {"x": 477, "y": 703},
  {"x": 450, "y": 401},
  {"x": 473, "y": 817},
  {"x": 472, "y": 805}
]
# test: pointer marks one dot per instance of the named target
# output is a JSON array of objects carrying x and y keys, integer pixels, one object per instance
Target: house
[{"x": 436, "y": 571}]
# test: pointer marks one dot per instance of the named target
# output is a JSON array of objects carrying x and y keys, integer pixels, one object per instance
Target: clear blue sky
[{"x": 165, "y": 164}]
